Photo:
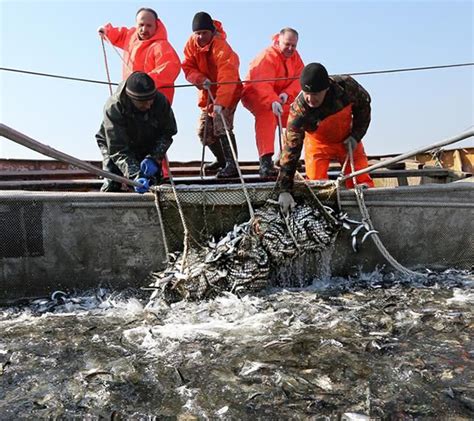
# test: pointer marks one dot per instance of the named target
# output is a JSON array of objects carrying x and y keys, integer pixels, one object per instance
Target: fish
[{"x": 241, "y": 260}]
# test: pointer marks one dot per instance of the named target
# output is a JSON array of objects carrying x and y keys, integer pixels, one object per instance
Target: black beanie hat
[
  {"x": 140, "y": 87},
  {"x": 202, "y": 21},
  {"x": 314, "y": 78}
]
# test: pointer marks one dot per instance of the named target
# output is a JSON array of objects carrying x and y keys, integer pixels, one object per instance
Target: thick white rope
[{"x": 366, "y": 220}]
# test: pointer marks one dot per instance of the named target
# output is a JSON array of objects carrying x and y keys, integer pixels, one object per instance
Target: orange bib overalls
[{"x": 326, "y": 144}]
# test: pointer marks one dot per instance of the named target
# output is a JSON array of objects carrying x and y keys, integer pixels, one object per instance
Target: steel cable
[{"x": 188, "y": 85}]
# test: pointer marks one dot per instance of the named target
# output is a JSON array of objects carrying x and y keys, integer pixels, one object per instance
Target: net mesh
[
  {"x": 242, "y": 260},
  {"x": 51, "y": 241}
]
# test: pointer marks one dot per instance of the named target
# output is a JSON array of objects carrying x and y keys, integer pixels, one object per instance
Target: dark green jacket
[{"x": 128, "y": 135}]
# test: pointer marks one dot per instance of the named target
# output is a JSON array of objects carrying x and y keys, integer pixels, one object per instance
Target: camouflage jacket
[
  {"x": 343, "y": 91},
  {"x": 128, "y": 136}
]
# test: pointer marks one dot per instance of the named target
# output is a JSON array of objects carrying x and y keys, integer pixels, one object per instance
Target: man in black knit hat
[
  {"x": 208, "y": 62},
  {"x": 330, "y": 117},
  {"x": 137, "y": 130}
]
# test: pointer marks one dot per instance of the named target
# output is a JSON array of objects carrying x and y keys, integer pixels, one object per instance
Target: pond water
[{"x": 373, "y": 346}]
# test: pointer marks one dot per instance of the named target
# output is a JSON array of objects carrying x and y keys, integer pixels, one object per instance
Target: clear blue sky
[{"x": 409, "y": 109}]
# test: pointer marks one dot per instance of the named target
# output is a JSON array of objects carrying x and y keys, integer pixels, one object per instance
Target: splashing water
[{"x": 352, "y": 348}]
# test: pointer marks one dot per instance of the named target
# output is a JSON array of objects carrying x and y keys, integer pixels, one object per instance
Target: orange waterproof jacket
[
  {"x": 154, "y": 56},
  {"x": 270, "y": 64},
  {"x": 217, "y": 62}
]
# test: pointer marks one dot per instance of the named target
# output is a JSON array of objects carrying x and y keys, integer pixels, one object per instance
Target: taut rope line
[
  {"x": 118, "y": 53},
  {"x": 188, "y": 85},
  {"x": 106, "y": 65}
]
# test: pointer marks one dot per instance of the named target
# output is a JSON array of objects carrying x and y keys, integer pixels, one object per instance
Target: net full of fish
[{"x": 241, "y": 261}]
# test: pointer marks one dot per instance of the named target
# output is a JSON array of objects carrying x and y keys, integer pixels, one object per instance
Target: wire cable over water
[{"x": 188, "y": 85}]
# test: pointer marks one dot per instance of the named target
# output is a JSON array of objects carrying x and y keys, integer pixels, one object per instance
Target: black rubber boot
[
  {"x": 230, "y": 169},
  {"x": 234, "y": 143},
  {"x": 267, "y": 169},
  {"x": 216, "y": 149},
  {"x": 111, "y": 186}
]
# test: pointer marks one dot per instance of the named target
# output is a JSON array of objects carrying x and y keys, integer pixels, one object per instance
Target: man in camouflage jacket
[
  {"x": 138, "y": 125},
  {"x": 330, "y": 117}
]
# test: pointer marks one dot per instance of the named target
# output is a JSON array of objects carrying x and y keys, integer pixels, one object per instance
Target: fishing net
[{"x": 245, "y": 258}]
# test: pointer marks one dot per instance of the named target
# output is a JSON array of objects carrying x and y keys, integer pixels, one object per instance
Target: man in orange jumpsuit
[
  {"x": 334, "y": 114},
  {"x": 146, "y": 49},
  {"x": 272, "y": 98},
  {"x": 208, "y": 61}
]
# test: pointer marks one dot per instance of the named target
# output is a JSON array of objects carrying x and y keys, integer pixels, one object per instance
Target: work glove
[
  {"x": 286, "y": 202},
  {"x": 350, "y": 142},
  {"x": 145, "y": 185},
  {"x": 149, "y": 167},
  {"x": 217, "y": 109},
  {"x": 283, "y": 97},
  {"x": 277, "y": 108},
  {"x": 101, "y": 31},
  {"x": 206, "y": 84}
]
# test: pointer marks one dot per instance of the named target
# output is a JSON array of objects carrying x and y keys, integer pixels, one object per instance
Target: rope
[
  {"x": 375, "y": 237},
  {"x": 183, "y": 220},
  {"x": 77, "y": 79},
  {"x": 234, "y": 157},
  {"x": 329, "y": 218},
  {"x": 118, "y": 53},
  {"x": 339, "y": 184},
  {"x": 188, "y": 85},
  {"x": 162, "y": 225},
  {"x": 201, "y": 171},
  {"x": 366, "y": 220},
  {"x": 106, "y": 65},
  {"x": 292, "y": 235}
]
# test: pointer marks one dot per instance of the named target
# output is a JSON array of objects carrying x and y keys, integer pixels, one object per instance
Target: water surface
[{"x": 373, "y": 346}]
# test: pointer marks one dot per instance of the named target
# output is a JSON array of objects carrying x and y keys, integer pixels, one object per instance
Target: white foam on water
[
  {"x": 191, "y": 406},
  {"x": 461, "y": 296},
  {"x": 255, "y": 334},
  {"x": 227, "y": 319}
]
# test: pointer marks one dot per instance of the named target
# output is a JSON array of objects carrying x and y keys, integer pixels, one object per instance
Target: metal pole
[
  {"x": 106, "y": 66},
  {"x": 234, "y": 156},
  {"x": 36, "y": 146},
  {"x": 406, "y": 155},
  {"x": 280, "y": 132},
  {"x": 201, "y": 171}
]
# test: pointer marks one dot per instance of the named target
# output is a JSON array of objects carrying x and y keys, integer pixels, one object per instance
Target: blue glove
[
  {"x": 149, "y": 167},
  {"x": 145, "y": 185}
]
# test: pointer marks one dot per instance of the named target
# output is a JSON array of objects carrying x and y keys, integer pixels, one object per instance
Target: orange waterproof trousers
[
  {"x": 265, "y": 124},
  {"x": 326, "y": 144}
]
